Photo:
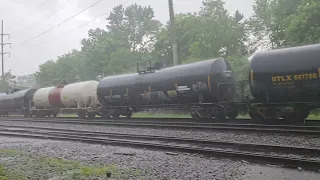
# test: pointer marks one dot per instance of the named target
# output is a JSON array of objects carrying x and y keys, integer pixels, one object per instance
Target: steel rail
[
  {"x": 307, "y": 164},
  {"x": 215, "y": 143},
  {"x": 167, "y": 120},
  {"x": 298, "y": 130}
]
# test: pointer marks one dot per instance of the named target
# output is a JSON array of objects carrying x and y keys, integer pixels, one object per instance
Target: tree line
[{"x": 134, "y": 35}]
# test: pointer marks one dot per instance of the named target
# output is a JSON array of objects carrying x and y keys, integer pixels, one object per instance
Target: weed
[{"x": 30, "y": 167}]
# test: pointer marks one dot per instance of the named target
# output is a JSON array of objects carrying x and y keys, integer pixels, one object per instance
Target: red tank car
[{"x": 55, "y": 97}]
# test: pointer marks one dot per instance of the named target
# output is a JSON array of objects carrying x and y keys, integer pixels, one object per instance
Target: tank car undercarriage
[
  {"x": 41, "y": 113},
  {"x": 203, "y": 111},
  {"x": 82, "y": 112},
  {"x": 217, "y": 111},
  {"x": 295, "y": 113},
  {"x": 116, "y": 112},
  {"x": 87, "y": 112},
  {"x": 4, "y": 114}
]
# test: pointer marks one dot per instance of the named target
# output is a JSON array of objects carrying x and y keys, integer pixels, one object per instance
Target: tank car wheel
[
  {"x": 91, "y": 115},
  {"x": 127, "y": 112},
  {"x": 105, "y": 115},
  {"x": 201, "y": 114},
  {"x": 38, "y": 115},
  {"x": 219, "y": 113},
  {"x": 115, "y": 116},
  {"x": 6, "y": 114},
  {"x": 116, "y": 113},
  {"x": 129, "y": 115},
  {"x": 194, "y": 113},
  {"x": 220, "y": 116},
  {"x": 298, "y": 116},
  {"x": 305, "y": 112},
  {"x": 81, "y": 114},
  {"x": 254, "y": 115},
  {"x": 292, "y": 118},
  {"x": 232, "y": 113}
]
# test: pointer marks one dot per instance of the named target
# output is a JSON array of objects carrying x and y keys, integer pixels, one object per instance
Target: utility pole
[
  {"x": 173, "y": 34},
  {"x": 3, "y": 53}
]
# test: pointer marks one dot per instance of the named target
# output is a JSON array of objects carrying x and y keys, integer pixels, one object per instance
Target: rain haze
[{"x": 38, "y": 34}]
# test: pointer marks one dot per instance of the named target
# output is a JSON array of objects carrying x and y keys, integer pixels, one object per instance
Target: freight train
[
  {"x": 198, "y": 86},
  {"x": 283, "y": 83},
  {"x": 45, "y": 102}
]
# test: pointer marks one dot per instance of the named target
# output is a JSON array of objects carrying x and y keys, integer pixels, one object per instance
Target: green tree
[
  {"x": 210, "y": 33},
  {"x": 128, "y": 38},
  {"x": 134, "y": 35},
  {"x": 95, "y": 52},
  {"x": 188, "y": 26},
  {"x": 134, "y": 27},
  {"x": 47, "y": 71},
  {"x": 122, "y": 61},
  {"x": 9, "y": 82},
  {"x": 279, "y": 23},
  {"x": 68, "y": 67},
  {"x": 304, "y": 26}
]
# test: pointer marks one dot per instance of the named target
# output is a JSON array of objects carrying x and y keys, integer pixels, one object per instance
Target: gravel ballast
[
  {"x": 262, "y": 138},
  {"x": 150, "y": 164},
  {"x": 37, "y": 159}
]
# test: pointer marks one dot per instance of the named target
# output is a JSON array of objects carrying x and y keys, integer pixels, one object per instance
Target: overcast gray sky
[{"x": 24, "y": 20}]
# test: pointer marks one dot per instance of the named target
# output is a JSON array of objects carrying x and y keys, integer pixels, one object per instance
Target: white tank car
[
  {"x": 41, "y": 98},
  {"x": 82, "y": 93}
]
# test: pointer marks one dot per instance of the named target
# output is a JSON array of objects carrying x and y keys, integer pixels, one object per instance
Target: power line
[
  {"x": 40, "y": 6},
  {"x": 83, "y": 25},
  {"x": 59, "y": 8},
  {"x": 61, "y": 23},
  {"x": 50, "y": 14}
]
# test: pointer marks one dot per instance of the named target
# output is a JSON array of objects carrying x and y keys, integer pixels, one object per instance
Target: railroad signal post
[{"x": 3, "y": 53}]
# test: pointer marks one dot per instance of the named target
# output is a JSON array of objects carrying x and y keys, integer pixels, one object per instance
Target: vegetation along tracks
[
  {"x": 262, "y": 153},
  {"x": 250, "y": 128}
]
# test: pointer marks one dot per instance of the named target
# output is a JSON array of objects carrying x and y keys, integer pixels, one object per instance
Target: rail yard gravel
[
  {"x": 125, "y": 163},
  {"x": 264, "y": 138},
  {"x": 150, "y": 164}
]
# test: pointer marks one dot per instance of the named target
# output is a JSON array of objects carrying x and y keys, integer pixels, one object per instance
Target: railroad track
[
  {"x": 242, "y": 120},
  {"x": 261, "y": 153},
  {"x": 249, "y": 128},
  {"x": 237, "y": 120},
  {"x": 135, "y": 121},
  {"x": 173, "y": 120}
]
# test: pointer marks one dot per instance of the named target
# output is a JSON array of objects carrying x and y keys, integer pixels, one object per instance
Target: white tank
[
  {"x": 83, "y": 93},
  {"x": 41, "y": 98}
]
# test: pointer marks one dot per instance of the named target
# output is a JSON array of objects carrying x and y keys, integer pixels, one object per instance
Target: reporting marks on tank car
[{"x": 312, "y": 75}]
